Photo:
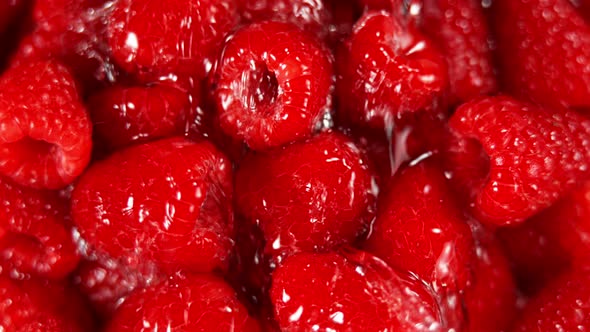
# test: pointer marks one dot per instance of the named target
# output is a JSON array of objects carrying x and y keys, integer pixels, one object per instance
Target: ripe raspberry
[
  {"x": 32, "y": 305},
  {"x": 350, "y": 292},
  {"x": 174, "y": 39},
  {"x": 543, "y": 47},
  {"x": 460, "y": 30},
  {"x": 387, "y": 68},
  {"x": 535, "y": 156},
  {"x": 421, "y": 228},
  {"x": 272, "y": 85},
  {"x": 166, "y": 202},
  {"x": 35, "y": 235},
  {"x": 45, "y": 140},
  {"x": 106, "y": 283},
  {"x": 308, "y": 196},
  {"x": 184, "y": 303},
  {"x": 550, "y": 242},
  {"x": 563, "y": 305},
  {"x": 74, "y": 33},
  {"x": 125, "y": 115}
]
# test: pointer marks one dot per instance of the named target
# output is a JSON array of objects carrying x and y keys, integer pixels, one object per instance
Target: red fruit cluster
[{"x": 290, "y": 165}]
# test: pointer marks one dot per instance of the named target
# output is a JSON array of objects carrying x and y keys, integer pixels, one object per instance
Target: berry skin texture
[
  {"x": 35, "y": 237},
  {"x": 154, "y": 39},
  {"x": 551, "y": 242},
  {"x": 196, "y": 303},
  {"x": 543, "y": 47},
  {"x": 39, "y": 305},
  {"x": 328, "y": 20},
  {"x": 106, "y": 282},
  {"x": 535, "y": 156},
  {"x": 563, "y": 305},
  {"x": 311, "y": 16},
  {"x": 73, "y": 32},
  {"x": 459, "y": 29},
  {"x": 166, "y": 202},
  {"x": 46, "y": 139},
  {"x": 126, "y": 115},
  {"x": 352, "y": 291},
  {"x": 272, "y": 85},
  {"x": 386, "y": 68},
  {"x": 308, "y": 196},
  {"x": 421, "y": 229}
]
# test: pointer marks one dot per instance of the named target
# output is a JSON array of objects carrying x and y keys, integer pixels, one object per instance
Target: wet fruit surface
[
  {"x": 178, "y": 216},
  {"x": 294, "y": 165}
]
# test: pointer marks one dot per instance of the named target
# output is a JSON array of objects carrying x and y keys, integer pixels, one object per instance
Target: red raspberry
[
  {"x": 312, "y": 195},
  {"x": 35, "y": 236},
  {"x": 544, "y": 51},
  {"x": 329, "y": 20},
  {"x": 72, "y": 31},
  {"x": 155, "y": 40},
  {"x": 351, "y": 292},
  {"x": 460, "y": 30},
  {"x": 125, "y": 115},
  {"x": 311, "y": 16},
  {"x": 167, "y": 202},
  {"x": 490, "y": 301},
  {"x": 563, "y": 305},
  {"x": 387, "y": 68},
  {"x": 272, "y": 85},
  {"x": 551, "y": 241},
  {"x": 535, "y": 156},
  {"x": 39, "y": 305},
  {"x": 45, "y": 140},
  {"x": 106, "y": 282},
  {"x": 184, "y": 303},
  {"x": 421, "y": 229}
]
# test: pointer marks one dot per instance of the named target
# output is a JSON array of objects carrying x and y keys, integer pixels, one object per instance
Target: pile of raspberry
[{"x": 294, "y": 165}]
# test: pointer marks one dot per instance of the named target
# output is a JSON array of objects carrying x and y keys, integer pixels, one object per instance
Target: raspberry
[
  {"x": 272, "y": 85},
  {"x": 35, "y": 236},
  {"x": 176, "y": 39},
  {"x": 74, "y": 33},
  {"x": 490, "y": 301},
  {"x": 139, "y": 206},
  {"x": 312, "y": 195},
  {"x": 125, "y": 115},
  {"x": 535, "y": 156},
  {"x": 387, "y": 68},
  {"x": 543, "y": 48},
  {"x": 561, "y": 306},
  {"x": 311, "y": 16},
  {"x": 106, "y": 282},
  {"x": 460, "y": 30},
  {"x": 421, "y": 229},
  {"x": 46, "y": 137},
  {"x": 39, "y": 305},
  {"x": 550, "y": 242},
  {"x": 350, "y": 292},
  {"x": 187, "y": 303},
  {"x": 329, "y": 20}
]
